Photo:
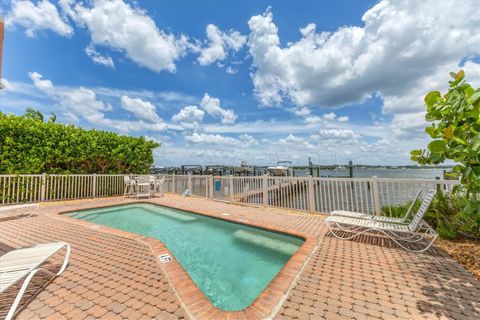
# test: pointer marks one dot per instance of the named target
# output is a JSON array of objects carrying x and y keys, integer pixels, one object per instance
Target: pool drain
[{"x": 165, "y": 258}]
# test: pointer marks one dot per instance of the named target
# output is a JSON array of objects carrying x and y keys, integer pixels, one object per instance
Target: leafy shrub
[
  {"x": 455, "y": 131},
  {"x": 445, "y": 215},
  {"x": 29, "y": 145}
]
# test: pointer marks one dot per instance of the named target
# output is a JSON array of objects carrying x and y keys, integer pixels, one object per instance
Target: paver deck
[{"x": 115, "y": 275}]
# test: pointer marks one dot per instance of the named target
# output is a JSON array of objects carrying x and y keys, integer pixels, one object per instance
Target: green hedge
[{"x": 29, "y": 145}]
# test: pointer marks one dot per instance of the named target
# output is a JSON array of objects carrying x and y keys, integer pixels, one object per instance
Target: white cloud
[
  {"x": 302, "y": 112},
  {"x": 313, "y": 120},
  {"x": 190, "y": 117},
  {"x": 44, "y": 85},
  {"x": 231, "y": 70},
  {"x": 98, "y": 58},
  {"x": 343, "y": 119},
  {"x": 213, "y": 108},
  {"x": 398, "y": 47},
  {"x": 248, "y": 139},
  {"x": 291, "y": 139},
  {"x": 211, "y": 139},
  {"x": 79, "y": 103},
  {"x": 330, "y": 116},
  {"x": 337, "y": 134},
  {"x": 218, "y": 44},
  {"x": 35, "y": 18},
  {"x": 143, "y": 110},
  {"x": 117, "y": 25}
]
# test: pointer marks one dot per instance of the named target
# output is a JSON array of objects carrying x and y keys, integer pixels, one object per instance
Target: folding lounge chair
[
  {"x": 26, "y": 262},
  {"x": 20, "y": 210},
  {"x": 414, "y": 232},
  {"x": 359, "y": 215}
]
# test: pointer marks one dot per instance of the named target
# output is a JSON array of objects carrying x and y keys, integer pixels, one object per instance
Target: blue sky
[{"x": 221, "y": 82}]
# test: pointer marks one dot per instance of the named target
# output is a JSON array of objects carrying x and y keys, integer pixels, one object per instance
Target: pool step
[{"x": 277, "y": 245}]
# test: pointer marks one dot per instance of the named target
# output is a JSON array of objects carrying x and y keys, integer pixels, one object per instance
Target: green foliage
[
  {"x": 456, "y": 136},
  {"x": 445, "y": 215},
  {"x": 29, "y": 145}
]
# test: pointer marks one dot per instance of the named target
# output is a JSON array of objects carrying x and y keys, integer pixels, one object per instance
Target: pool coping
[{"x": 265, "y": 306}]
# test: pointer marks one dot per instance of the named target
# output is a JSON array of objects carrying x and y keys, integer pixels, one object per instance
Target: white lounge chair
[
  {"x": 359, "y": 215},
  {"x": 346, "y": 228},
  {"x": 26, "y": 262},
  {"x": 19, "y": 210}
]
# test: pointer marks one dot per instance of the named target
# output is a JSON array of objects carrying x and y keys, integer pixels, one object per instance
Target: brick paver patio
[{"x": 115, "y": 276}]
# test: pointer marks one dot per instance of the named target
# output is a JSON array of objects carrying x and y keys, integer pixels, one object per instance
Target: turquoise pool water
[{"x": 230, "y": 263}]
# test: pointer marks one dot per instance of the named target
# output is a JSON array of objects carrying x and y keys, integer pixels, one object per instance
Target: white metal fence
[
  {"x": 369, "y": 195},
  {"x": 42, "y": 187},
  {"x": 324, "y": 195}
]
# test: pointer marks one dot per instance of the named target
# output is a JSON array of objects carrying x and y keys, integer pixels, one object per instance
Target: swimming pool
[{"x": 230, "y": 263}]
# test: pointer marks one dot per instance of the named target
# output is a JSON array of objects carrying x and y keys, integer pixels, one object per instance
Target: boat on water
[
  {"x": 243, "y": 169},
  {"x": 282, "y": 169}
]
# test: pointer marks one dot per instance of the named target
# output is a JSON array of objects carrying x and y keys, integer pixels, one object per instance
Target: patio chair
[
  {"x": 24, "y": 263},
  {"x": 143, "y": 187},
  {"x": 158, "y": 185},
  {"x": 360, "y": 215},
  {"x": 129, "y": 186},
  {"x": 17, "y": 211},
  {"x": 346, "y": 228}
]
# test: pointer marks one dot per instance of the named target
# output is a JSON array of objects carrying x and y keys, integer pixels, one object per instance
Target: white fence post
[
  {"x": 230, "y": 182},
  {"x": 174, "y": 190},
  {"x": 376, "y": 196},
  {"x": 311, "y": 194},
  {"x": 94, "y": 186},
  {"x": 43, "y": 188},
  {"x": 189, "y": 182},
  {"x": 265, "y": 190},
  {"x": 210, "y": 187}
]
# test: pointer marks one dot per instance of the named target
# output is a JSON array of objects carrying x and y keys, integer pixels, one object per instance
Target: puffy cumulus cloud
[
  {"x": 40, "y": 83},
  {"x": 337, "y": 134},
  {"x": 98, "y": 58},
  {"x": 396, "y": 50},
  {"x": 218, "y": 44},
  {"x": 330, "y": 116},
  {"x": 37, "y": 17},
  {"x": 190, "y": 117},
  {"x": 211, "y": 139},
  {"x": 231, "y": 70},
  {"x": 291, "y": 139},
  {"x": 79, "y": 103},
  {"x": 248, "y": 139},
  {"x": 311, "y": 119},
  {"x": 142, "y": 109},
  {"x": 296, "y": 143},
  {"x": 213, "y": 108},
  {"x": 118, "y": 25}
]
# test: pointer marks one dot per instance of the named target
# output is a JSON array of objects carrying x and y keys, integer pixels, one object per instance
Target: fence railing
[
  {"x": 323, "y": 195},
  {"x": 42, "y": 187}
]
